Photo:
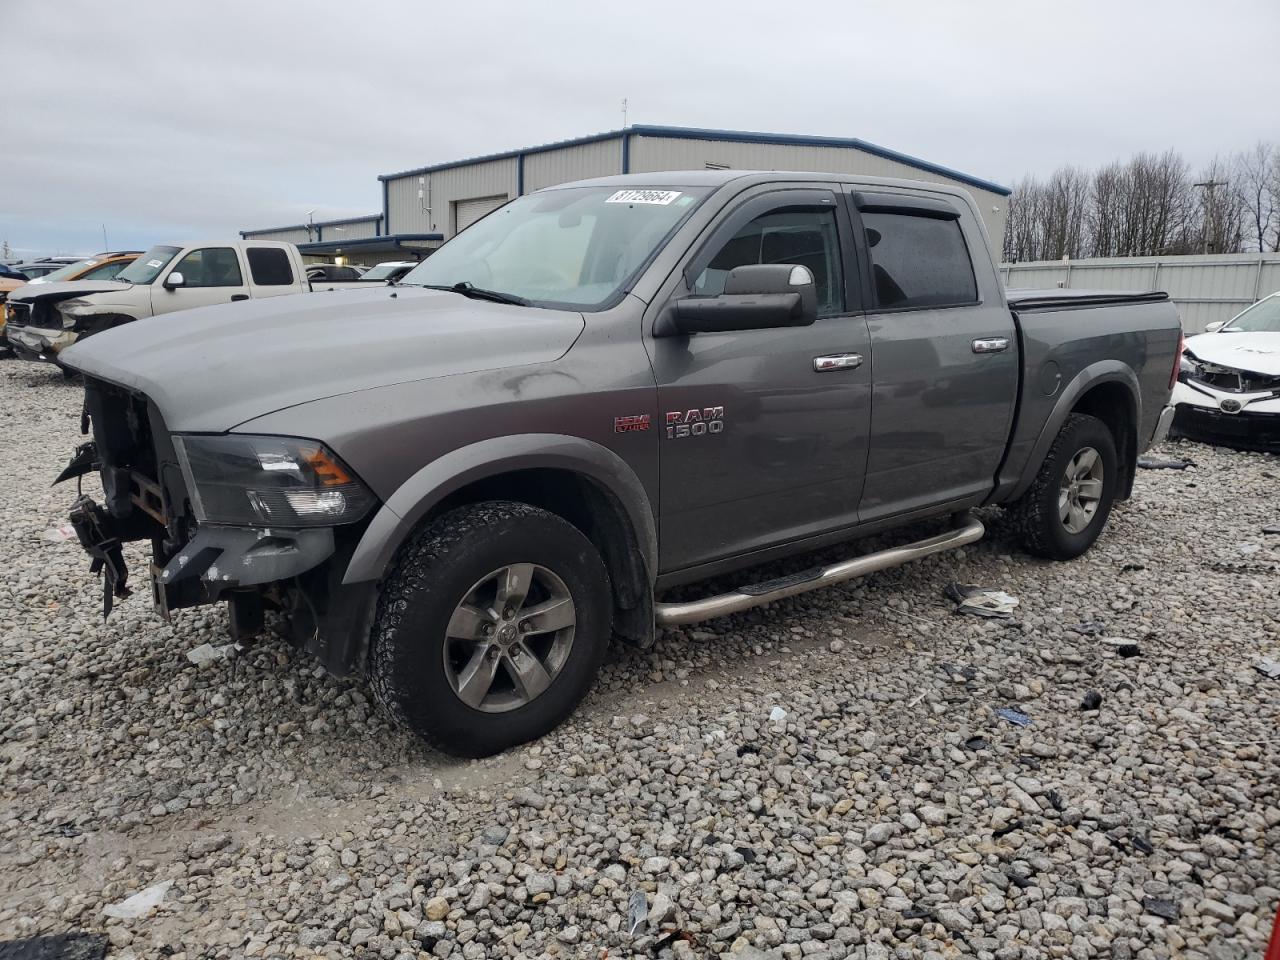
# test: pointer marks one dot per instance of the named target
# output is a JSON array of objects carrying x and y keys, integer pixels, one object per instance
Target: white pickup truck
[{"x": 42, "y": 321}]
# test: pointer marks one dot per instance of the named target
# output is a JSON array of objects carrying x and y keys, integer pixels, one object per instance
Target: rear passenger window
[
  {"x": 919, "y": 261},
  {"x": 269, "y": 266},
  {"x": 806, "y": 237}
]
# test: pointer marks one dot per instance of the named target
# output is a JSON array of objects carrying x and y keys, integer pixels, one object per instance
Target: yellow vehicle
[{"x": 102, "y": 266}]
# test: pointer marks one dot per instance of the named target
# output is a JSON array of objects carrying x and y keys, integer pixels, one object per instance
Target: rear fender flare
[
  {"x": 405, "y": 508},
  {"x": 1104, "y": 371}
]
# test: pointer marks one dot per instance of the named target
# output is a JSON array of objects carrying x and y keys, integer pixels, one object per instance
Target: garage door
[{"x": 467, "y": 212}]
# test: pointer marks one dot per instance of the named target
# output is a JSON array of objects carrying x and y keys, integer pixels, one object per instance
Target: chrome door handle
[
  {"x": 991, "y": 345},
  {"x": 837, "y": 361}
]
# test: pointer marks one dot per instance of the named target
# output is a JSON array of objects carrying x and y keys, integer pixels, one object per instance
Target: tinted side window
[
  {"x": 269, "y": 266},
  {"x": 806, "y": 237},
  {"x": 210, "y": 267},
  {"x": 919, "y": 261}
]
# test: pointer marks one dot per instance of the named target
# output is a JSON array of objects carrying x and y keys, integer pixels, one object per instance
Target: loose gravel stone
[{"x": 888, "y": 814}]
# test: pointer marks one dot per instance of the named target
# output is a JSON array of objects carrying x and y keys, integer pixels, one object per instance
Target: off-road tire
[
  {"x": 1035, "y": 515},
  {"x": 432, "y": 573}
]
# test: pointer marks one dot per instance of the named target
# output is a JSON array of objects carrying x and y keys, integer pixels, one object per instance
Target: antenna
[
  {"x": 105, "y": 245},
  {"x": 624, "y": 113}
]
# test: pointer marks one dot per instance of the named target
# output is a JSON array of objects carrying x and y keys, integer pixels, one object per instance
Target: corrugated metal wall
[
  {"x": 442, "y": 190},
  {"x": 1205, "y": 288},
  {"x": 355, "y": 230},
  {"x": 649, "y": 154},
  {"x": 600, "y": 159},
  {"x": 288, "y": 236}
]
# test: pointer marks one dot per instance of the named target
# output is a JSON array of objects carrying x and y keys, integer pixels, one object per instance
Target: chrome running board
[{"x": 744, "y": 598}]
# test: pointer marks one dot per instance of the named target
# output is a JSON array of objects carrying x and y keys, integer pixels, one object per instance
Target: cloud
[{"x": 172, "y": 121}]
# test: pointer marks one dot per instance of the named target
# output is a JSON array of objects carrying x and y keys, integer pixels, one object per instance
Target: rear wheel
[
  {"x": 1064, "y": 511},
  {"x": 491, "y": 628}
]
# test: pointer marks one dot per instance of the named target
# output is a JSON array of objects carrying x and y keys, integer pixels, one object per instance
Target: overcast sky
[{"x": 176, "y": 120}]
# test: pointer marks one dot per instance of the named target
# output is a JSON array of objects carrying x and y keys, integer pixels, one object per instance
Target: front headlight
[
  {"x": 256, "y": 481},
  {"x": 71, "y": 309},
  {"x": 1188, "y": 366}
]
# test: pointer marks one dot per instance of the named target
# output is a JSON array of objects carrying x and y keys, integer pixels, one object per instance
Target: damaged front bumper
[
  {"x": 39, "y": 343},
  {"x": 1247, "y": 421}
]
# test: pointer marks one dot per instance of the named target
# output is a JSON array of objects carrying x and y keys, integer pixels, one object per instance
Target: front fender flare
[
  {"x": 1103, "y": 371},
  {"x": 405, "y": 508}
]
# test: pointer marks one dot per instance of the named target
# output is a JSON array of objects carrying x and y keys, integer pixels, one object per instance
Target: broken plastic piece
[
  {"x": 207, "y": 653},
  {"x": 976, "y": 743},
  {"x": 59, "y": 534},
  {"x": 980, "y": 602},
  {"x": 1128, "y": 650},
  {"x": 1092, "y": 700},
  {"x": 1016, "y": 717},
  {"x": 1155, "y": 463},
  {"x": 1271, "y": 528},
  {"x": 1090, "y": 628},
  {"x": 637, "y": 911},
  {"x": 1267, "y": 667},
  {"x": 140, "y": 903},
  {"x": 777, "y": 713}
]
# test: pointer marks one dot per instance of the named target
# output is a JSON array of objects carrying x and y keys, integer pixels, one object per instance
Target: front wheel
[
  {"x": 1064, "y": 511},
  {"x": 491, "y": 627}
]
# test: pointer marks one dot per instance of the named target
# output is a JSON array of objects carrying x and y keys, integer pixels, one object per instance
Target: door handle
[
  {"x": 837, "y": 361},
  {"x": 991, "y": 345},
  {"x": 239, "y": 296}
]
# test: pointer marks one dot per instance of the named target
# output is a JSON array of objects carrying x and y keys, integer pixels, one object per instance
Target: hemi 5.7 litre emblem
[
  {"x": 694, "y": 423},
  {"x": 632, "y": 424}
]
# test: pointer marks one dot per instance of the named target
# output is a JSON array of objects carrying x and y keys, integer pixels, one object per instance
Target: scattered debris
[
  {"x": 1128, "y": 650},
  {"x": 59, "y": 534},
  {"x": 1267, "y": 667},
  {"x": 1143, "y": 844},
  {"x": 1271, "y": 528},
  {"x": 140, "y": 903},
  {"x": 1055, "y": 800},
  {"x": 1155, "y": 463},
  {"x": 748, "y": 855},
  {"x": 637, "y": 911},
  {"x": 1161, "y": 908},
  {"x": 972, "y": 599},
  {"x": 1092, "y": 701},
  {"x": 976, "y": 743},
  {"x": 1133, "y": 567},
  {"x": 1007, "y": 829},
  {"x": 63, "y": 946},
  {"x": 207, "y": 653},
  {"x": 917, "y": 913},
  {"x": 1016, "y": 717},
  {"x": 777, "y": 714}
]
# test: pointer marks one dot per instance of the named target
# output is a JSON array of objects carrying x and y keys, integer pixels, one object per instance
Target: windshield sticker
[
  {"x": 661, "y": 197},
  {"x": 155, "y": 263}
]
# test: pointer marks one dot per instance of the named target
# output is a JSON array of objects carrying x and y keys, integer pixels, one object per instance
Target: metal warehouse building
[{"x": 423, "y": 207}]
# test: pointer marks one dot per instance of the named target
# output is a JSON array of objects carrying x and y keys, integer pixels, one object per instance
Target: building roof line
[
  {"x": 317, "y": 223},
  {"x": 731, "y": 136}
]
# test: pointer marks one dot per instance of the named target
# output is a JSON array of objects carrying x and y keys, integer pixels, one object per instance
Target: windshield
[
  {"x": 577, "y": 247},
  {"x": 383, "y": 270},
  {"x": 1262, "y": 317},
  {"x": 148, "y": 266}
]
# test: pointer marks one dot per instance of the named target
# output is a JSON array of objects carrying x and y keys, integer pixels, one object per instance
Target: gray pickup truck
[{"x": 465, "y": 484}]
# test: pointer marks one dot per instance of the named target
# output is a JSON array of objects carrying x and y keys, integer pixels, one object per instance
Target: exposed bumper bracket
[{"x": 91, "y": 525}]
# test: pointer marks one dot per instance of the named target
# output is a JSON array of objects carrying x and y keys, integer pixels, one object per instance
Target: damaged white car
[{"x": 1228, "y": 389}]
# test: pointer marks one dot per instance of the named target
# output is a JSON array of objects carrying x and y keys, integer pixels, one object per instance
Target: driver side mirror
[
  {"x": 174, "y": 280},
  {"x": 1215, "y": 326},
  {"x": 757, "y": 296}
]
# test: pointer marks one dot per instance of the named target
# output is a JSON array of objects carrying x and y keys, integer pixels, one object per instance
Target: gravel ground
[{"x": 889, "y": 813}]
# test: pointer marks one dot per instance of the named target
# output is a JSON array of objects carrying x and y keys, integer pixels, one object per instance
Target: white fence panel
[{"x": 1205, "y": 288}]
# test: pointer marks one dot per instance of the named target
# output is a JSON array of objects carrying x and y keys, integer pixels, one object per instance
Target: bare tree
[{"x": 1257, "y": 174}]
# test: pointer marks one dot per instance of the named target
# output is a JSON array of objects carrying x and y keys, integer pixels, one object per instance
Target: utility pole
[
  {"x": 105, "y": 246},
  {"x": 1208, "y": 186}
]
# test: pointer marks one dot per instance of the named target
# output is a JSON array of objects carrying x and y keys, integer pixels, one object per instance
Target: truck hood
[
  {"x": 212, "y": 368},
  {"x": 1255, "y": 352},
  {"x": 66, "y": 289}
]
